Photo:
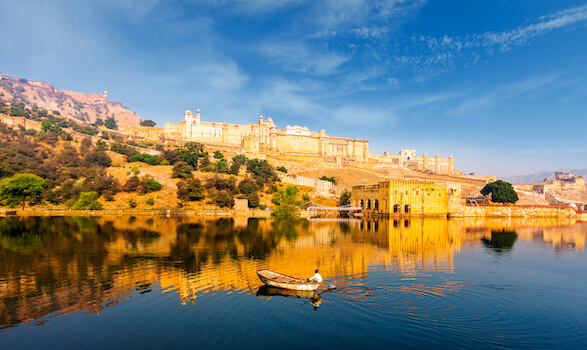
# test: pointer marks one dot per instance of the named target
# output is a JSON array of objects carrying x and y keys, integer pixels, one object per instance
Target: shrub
[
  {"x": 87, "y": 201},
  {"x": 223, "y": 199},
  {"x": 150, "y": 201}
]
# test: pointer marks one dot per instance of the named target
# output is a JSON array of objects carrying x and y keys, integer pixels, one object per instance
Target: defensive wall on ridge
[{"x": 322, "y": 187}]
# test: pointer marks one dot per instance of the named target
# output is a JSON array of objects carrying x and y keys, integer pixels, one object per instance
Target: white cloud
[
  {"x": 302, "y": 58},
  {"x": 523, "y": 34}
]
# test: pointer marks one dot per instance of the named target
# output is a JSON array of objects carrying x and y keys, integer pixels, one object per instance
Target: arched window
[
  {"x": 368, "y": 204},
  {"x": 376, "y": 204},
  {"x": 396, "y": 208},
  {"x": 407, "y": 208},
  {"x": 450, "y": 191},
  {"x": 362, "y": 204}
]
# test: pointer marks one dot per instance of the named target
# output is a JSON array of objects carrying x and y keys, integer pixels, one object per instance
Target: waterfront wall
[{"x": 513, "y": 211}]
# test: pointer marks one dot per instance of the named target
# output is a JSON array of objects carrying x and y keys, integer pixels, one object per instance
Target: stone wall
[
  {"x": 513, "y": 211},
  {"x": 20, "y": 122},
  {"x": 325, "y": 188}
]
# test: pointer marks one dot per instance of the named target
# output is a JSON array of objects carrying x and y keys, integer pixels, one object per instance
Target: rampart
[
  {"x": 16, "y": 122},
  {"x": 322, "y": 187}
]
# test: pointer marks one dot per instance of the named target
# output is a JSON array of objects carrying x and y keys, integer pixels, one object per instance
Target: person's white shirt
[{"x": 316, "y": 278}]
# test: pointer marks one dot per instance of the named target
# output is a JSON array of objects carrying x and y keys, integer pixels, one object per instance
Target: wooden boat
[{"x": 279, "y": 280}]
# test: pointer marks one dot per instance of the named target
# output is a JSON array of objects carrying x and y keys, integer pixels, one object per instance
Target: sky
[{"x": 499, "y": 84}]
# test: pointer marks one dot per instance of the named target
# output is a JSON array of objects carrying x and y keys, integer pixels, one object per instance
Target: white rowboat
[{"x": 279, "y": 280}]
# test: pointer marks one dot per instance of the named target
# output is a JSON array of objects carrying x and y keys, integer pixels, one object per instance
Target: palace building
[
  {"x": 265, "y": 137},
  {"x": 388, "y": 198}
]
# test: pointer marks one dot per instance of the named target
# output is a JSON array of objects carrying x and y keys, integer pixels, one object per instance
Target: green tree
[
  {"x": 262, "y": 169},
  {"x": 182, "y": 170},
  {"x": 223, "y": 199},
  {"x": 329, "y": 179},
  {"x": 282, "y": 169},
  {"x": 287, "y": 202},
  {"x": 191, "y": 152},
  {"x": 345, "y": 198},
  {"x": 87, "y": 201},
  {"x": 218, "y": 155},
  {"x": 20, "y": 186},
  {"x": 110, "y": 123},
  {"x": 148, "y": 123},
  {"x": 501, "y": 192}
]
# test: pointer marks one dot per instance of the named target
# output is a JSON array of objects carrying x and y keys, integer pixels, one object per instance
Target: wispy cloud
[
  {"x": 530, "y": 88},
  {"x": 522, "y": 35},
  {"x": 432, "y": 56},
  {"x": 303, "y": 58}
]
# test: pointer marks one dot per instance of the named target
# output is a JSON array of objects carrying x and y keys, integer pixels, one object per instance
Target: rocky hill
[
  {"x": 540, "y": 176},
  {"x": 84, "y": 107}
]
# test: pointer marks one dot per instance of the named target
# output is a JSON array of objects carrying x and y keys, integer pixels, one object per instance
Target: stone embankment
[
  {"x": 515, "y": 211},
  {"x": 66, "y": 212}
]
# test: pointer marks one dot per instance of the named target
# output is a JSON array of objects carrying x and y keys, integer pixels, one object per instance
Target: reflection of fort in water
[{"x": 63, "y": 265}]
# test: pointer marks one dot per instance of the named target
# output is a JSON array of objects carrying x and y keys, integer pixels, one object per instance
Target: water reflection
[
  {"x": 501, "y": 241},
  {"x": 59, "y": 265},
  {"x": 311, "y": 296}
]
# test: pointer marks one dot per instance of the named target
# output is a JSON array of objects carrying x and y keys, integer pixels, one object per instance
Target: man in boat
[{"x": 316, "y": 277}]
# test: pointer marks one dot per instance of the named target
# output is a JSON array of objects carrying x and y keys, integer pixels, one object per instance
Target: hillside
[
  {"x": 84, "y": 107},
  {"x": 540, "y": 176}
]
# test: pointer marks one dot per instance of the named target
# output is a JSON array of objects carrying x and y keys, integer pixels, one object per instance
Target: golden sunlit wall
[{"x": 405, "y": 198}]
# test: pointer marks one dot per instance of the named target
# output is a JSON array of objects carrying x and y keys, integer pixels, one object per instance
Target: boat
[{"x": 279, "y": 280}]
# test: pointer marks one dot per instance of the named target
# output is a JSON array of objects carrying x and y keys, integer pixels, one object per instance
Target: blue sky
[{"x": 499, "y": 84}]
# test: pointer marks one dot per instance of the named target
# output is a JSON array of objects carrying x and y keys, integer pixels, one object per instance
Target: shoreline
[{"x": 267, "y": 214}]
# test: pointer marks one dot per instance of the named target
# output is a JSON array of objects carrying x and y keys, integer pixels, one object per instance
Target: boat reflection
[{"x": 311, "y": 296}]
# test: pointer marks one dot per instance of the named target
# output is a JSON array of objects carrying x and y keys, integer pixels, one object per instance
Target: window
[
  {"x": 407, "y": 208},
  {"x": 376, "y": 204},
  {"x": 396, "y": 208}
]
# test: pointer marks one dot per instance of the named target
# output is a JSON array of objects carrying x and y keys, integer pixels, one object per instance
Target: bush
[
  {"x": 345, "y": 198},
  {"x": 87, "y": 201},
  {"x": 329, "y": 179},
  {"x": 282, "y": 169},
  {"x": 182, "y": 170},
  {"x": 150, "y": 201},
  {"x": 223, "y": 199},
  {"x": 132, "y": 203},
  {"x": 153, "y": 186}
]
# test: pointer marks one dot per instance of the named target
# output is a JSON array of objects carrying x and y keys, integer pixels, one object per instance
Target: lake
[{"x": 188, "y": 282}]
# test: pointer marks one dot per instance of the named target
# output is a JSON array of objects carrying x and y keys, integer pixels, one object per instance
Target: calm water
[{"x": 124, "y": 283}]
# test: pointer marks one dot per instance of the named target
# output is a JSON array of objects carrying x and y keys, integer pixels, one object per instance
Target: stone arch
[
  {"x": 396, "y": 208},
  {"x": 407, "y": 208},
  {"x": 368, "y": 204},
  {"x": 362, "y": 204},
  {"x": 376, "y": 204}
]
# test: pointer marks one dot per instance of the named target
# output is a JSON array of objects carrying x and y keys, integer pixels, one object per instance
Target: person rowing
[{"x": 316, "y": 278}]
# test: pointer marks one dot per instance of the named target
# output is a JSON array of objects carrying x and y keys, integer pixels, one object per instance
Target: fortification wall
[
  {"x": 513, "y": 211},
  {"x": 20, "y": 122},
  {"x": 326, "y": 188},
  {"x": 83, "y": 96}
]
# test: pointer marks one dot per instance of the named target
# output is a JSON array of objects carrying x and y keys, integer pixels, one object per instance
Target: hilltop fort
[{"x": 266, "y": 137}]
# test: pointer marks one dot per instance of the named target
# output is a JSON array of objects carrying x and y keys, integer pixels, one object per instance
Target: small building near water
[{"x": 399, "y": 198}]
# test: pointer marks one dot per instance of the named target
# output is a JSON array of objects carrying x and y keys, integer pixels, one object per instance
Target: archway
[
  {"x": 376, "y": 204},
  {"x": 408, "y": 208},
  {"x": 368, "y": 204},
  {"x": 396, "y": 208}
]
